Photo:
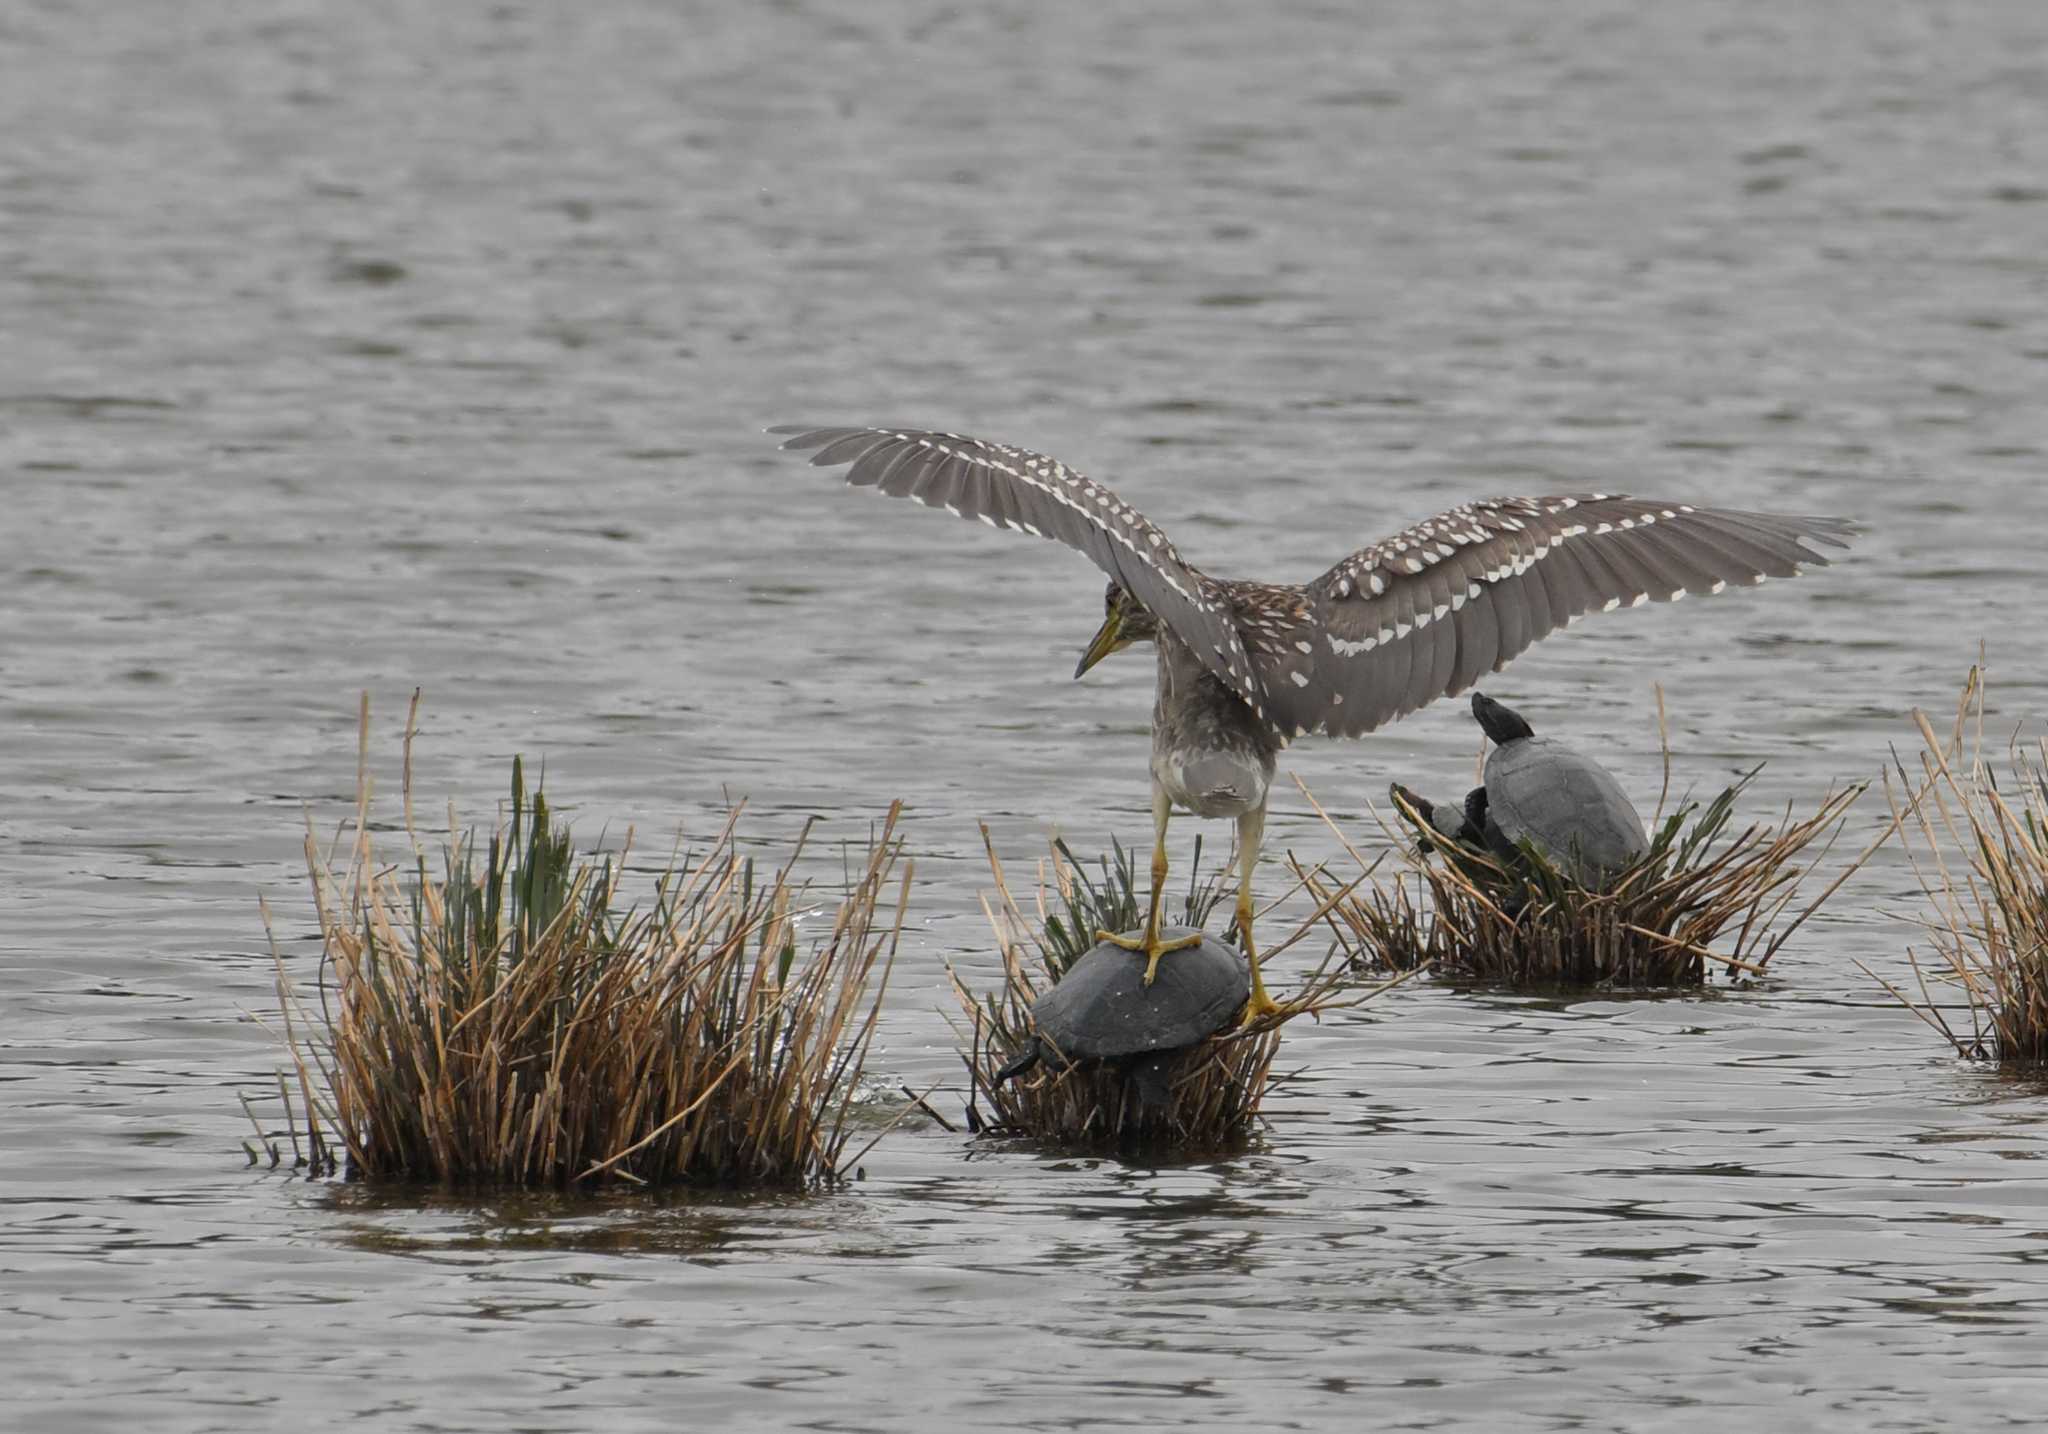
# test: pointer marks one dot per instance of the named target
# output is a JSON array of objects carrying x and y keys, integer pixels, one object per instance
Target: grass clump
[
  {"x": 504, "y": 1016},
  {"x": 1978, "y": 843},
  {"x": 1652, "y": 924},
  {"x": 1212, "y": 1090}
]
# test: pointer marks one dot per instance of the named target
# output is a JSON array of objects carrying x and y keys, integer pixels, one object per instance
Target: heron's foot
[
  {"x": 1148, "y": 944},
  {"x": 1260, "y": 1006}
]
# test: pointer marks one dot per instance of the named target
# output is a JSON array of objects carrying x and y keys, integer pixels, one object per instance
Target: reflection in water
[{"x": 687, "y": 1224}]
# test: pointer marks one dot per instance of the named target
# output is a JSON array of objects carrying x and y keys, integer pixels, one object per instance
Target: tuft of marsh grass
[
  {"x": 1653, "y": 924},
  {"x": 1113, "y": 899},
  {"x": 502, "y": 1014},
  {"x": 1214, "y": 1089},
  {"x": 1978, "y": 843}
]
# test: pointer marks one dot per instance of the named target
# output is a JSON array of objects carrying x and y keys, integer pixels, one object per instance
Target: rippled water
[{"x": 367, "y": 346}]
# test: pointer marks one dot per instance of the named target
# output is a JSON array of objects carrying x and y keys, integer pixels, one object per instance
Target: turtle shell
[
  {"x": 1102, "y": 1009},
  {"x": 1566, "y": 805}
]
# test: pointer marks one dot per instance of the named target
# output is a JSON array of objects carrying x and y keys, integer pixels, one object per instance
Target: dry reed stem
[
  {"x": 1978, "y": 846},
  {"x": 1214, "y": 1089},
  {"x": 503, "y": 1019}
]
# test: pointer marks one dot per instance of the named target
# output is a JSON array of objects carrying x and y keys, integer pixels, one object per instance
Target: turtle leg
[
  {"x": 1147, "y": 941},
  {"x": 1251, "y": 830}
]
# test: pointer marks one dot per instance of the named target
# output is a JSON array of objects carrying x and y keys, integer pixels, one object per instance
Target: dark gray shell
[
  {"x": 1101, "y": 1009},
  {"x": 1565, "y": 804}
]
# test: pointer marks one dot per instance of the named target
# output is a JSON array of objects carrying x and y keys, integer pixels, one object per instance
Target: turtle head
[
  {"x": 1501, "y": 724},
  {"x": 1125, "y": 620},
  {"x": 1448, "y": 820},
  {"x": 1415, "y": 802}
]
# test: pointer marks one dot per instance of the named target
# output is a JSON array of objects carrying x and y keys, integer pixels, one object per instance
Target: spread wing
[
  {"x": 1426, "y": 613},
  {"x": 1009, "y": 487}
]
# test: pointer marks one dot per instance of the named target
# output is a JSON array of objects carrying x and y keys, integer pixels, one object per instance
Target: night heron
[{"x": 1245, "y": 667}]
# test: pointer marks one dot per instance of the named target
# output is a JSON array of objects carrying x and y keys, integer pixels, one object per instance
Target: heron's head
[{"x": 1125, "y": 620}]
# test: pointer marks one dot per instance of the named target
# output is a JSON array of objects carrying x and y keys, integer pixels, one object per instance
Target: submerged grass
[
  {"x": 1978, "y": 842},
  {"x": 1654, "y": 924},
  {"x": 1214, "y": 1089},
  {"x": 504, "y": 1016}
]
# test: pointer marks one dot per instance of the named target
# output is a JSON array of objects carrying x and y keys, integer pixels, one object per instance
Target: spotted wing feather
[
  {"x": 1427, "y": 612},
  {"x": 1008, "y": 487}
]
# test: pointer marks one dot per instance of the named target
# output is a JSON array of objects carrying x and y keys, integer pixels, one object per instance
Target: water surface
[{"x": 367, "y": 347}]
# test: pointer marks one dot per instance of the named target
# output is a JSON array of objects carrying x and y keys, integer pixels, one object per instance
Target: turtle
[
  {"x": 1448, "y": 823},
  {"x": 1103, "y": 1010},
  {"x": 1540, "y": 791}
]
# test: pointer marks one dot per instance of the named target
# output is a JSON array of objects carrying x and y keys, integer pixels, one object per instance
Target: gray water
[{"x": 379, "y": 345}]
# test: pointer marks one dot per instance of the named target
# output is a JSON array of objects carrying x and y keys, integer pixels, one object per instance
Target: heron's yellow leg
[
  {"x": 1148, "y": 940},
  {"x": 1251, "y": 830}
]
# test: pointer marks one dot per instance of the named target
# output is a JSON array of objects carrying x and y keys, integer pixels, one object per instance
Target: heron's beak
[{"x": 1107, "y": 639}]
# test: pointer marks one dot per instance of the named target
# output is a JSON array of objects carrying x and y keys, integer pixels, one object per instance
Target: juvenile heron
[{"x": 1246, "y": 667}]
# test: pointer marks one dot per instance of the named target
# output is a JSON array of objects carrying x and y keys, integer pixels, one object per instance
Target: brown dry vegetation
[
  {"x": 1978, "y": 842},
  {"x": 502, "y": 1015}
]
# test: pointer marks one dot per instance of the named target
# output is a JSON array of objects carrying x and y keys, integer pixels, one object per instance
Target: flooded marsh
[{"x": 394, "y": 346}]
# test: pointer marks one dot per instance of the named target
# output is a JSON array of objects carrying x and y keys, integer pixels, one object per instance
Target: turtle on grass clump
[
  {"x": 1544, "y": 877},
  {"x": 1104, "y": 1011},
  {"x": 1076, "y": 1050}
]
